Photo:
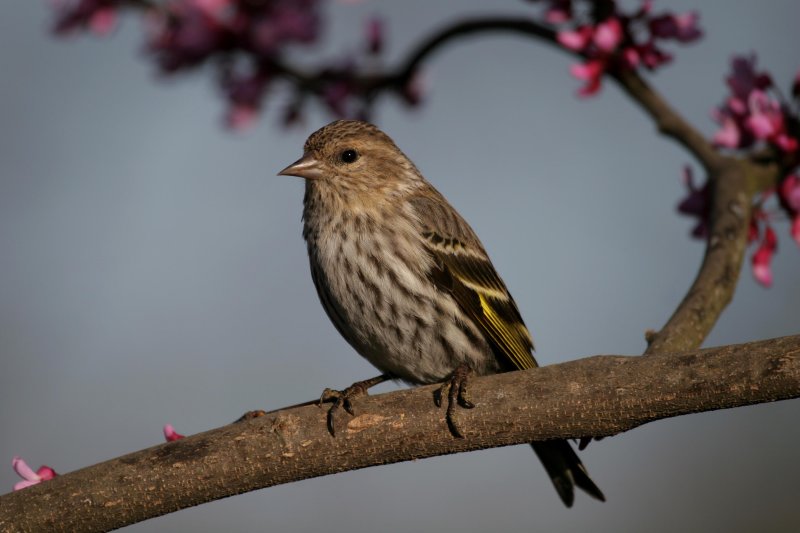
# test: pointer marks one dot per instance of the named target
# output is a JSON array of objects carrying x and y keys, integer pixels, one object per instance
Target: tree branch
[{"x": 600, "y": 396}]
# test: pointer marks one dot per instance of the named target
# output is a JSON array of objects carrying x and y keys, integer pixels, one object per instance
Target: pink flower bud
[{"x": 170, "y": 434}]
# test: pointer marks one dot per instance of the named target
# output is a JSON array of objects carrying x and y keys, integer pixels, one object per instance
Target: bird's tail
[{"x": 566, "y": 470}]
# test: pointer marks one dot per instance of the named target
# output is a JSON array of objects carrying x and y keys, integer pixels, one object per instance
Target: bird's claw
[
  {"x": 344, "y": 398},
  {"x": 456, "y": 389}
]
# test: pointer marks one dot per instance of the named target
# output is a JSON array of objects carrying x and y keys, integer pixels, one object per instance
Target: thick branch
[
  {"x": 601, "y": 395},
  {"x": 715, "y": 283}
]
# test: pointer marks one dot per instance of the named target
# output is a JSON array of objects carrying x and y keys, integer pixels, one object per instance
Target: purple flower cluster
[
  {"x": 245, "y": 40},
  {"x": 610, "y": 38},
  {"x": 751, "y": 117}
]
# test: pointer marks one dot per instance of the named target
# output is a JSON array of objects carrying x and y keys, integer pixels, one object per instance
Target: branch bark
[{"x": 600, "y": 396}]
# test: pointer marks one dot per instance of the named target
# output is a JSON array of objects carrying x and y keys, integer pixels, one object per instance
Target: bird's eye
[{"x": 348, "y": 156}]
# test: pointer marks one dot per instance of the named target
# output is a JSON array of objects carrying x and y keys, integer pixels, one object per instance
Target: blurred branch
[{"x": 600, "y": 396}]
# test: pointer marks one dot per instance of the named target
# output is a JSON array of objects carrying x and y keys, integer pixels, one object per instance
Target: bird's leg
[
  {"x": 457, "y": 394},
  {"x": 344, "y": 398}
]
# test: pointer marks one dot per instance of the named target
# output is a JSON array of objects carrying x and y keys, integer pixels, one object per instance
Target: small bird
[{"x": 407, "y": 283}]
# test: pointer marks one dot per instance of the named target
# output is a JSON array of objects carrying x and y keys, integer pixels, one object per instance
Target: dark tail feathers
[{"x": 566, "y": 470}]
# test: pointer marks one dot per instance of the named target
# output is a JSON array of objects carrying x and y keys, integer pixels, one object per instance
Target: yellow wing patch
[{"x": 513, "y": 339}]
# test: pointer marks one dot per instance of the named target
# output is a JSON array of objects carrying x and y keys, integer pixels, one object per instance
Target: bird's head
[{"x": 352, "y": 154}]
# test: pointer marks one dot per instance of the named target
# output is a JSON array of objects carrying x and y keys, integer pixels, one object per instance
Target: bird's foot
[
  {"x": 344, "y": 398},
  {"x": 455, "y": 387}
]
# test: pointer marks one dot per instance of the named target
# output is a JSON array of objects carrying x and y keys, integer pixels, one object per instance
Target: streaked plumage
[{"x": 404, "y": 278}]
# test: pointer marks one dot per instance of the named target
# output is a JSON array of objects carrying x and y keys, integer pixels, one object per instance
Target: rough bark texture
[{"x": 599, "y": 396}]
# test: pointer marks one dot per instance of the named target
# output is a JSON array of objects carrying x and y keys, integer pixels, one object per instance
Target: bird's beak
[{"x": 306, "y": 167}]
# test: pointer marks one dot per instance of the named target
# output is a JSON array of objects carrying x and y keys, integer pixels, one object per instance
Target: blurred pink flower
[
  {"x": 577, "y": 39},
  {"x": 743, "y": 80},
  {"x": 684, "y": 27},
  {"x": 762, "y": 259},
  {"x": 558, "y": 11},
  {"x": 415, "y": 88},
  {"x": 749, "y": 113},
  {"x": 170, "y": 434},
  {"x": 591, "y": 72},
  {"x": 789, "y": 192},
  {"x": 729, "y": 135},
  {"x": 184, "y": 35},
  {"x": 245, "y": 93},
  {"x": 29, "y": 477},
  {"x": 766, "y": 121},
  {"x": 794, "y": 230},
  {"x": 652, "y": 56},
  {"x": 99, "y": 16},
  {"x": 696, "y": 204},
  {"x": 282, "y": 22},
  {"x": 608, "y": 35},
  {"x": 336, "y": 96},
  {"x": 789, "y": 197},
  {"x": 375, "y": 35},
  {"x": 620, "y": 39}
]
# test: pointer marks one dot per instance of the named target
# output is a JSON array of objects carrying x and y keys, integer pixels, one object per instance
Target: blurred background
[{"x": 152, "y": 269}]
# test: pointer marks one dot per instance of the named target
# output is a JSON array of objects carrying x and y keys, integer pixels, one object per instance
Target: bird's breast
[{"x": 371, "y": 273}]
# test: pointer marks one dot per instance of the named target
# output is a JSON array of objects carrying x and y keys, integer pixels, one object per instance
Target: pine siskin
[{"x": 406, "y": 281}]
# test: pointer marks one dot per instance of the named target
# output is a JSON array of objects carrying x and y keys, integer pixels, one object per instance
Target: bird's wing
[{"x": 464, "y": 270}]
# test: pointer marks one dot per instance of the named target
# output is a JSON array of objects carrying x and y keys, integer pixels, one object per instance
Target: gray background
[{"x": 152, "y": 270}]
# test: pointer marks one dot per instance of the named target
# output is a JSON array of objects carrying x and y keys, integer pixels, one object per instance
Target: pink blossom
[
  {"x": 744, "y": 79},
  {"x": 795, "y": 228},
  {"x": 608, "y": 35},
  {"x": 29, "y": 477},
  {"x": 749, "y": 114},
  {"x": 696, "y": 204},
  {"x": 559, "y": 11},
  {"x": 213, "y": 8},
  {"x": 337, "y": 97},
  {"x": 285, "y": 22},
  {"x": 99, "y": 16},
  {"x": 170, "y": 434},
  {"x": 729, "y": 135},
  {"x": 183, "y": 36},
  {"x": 762, "y": 259},
  {"x": 652, "y": 56},
  {"x": 766, "y": 121},
  {"x": 241, "y": 117},
  {"x": 789, "y": 193},
  {"x": 103, "y": 21},
  {"x": 415, "y": 88},
  {"x": 789, "y": 197},
  {"x": 375, "y": 32},
  {"x": 245, "y": 93},
  {"x": 577, "y": 39},
  {"x": 591, "y": 72},
  {"x": 683, "y": 28},
  {"x": 631, "y": 57}
]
